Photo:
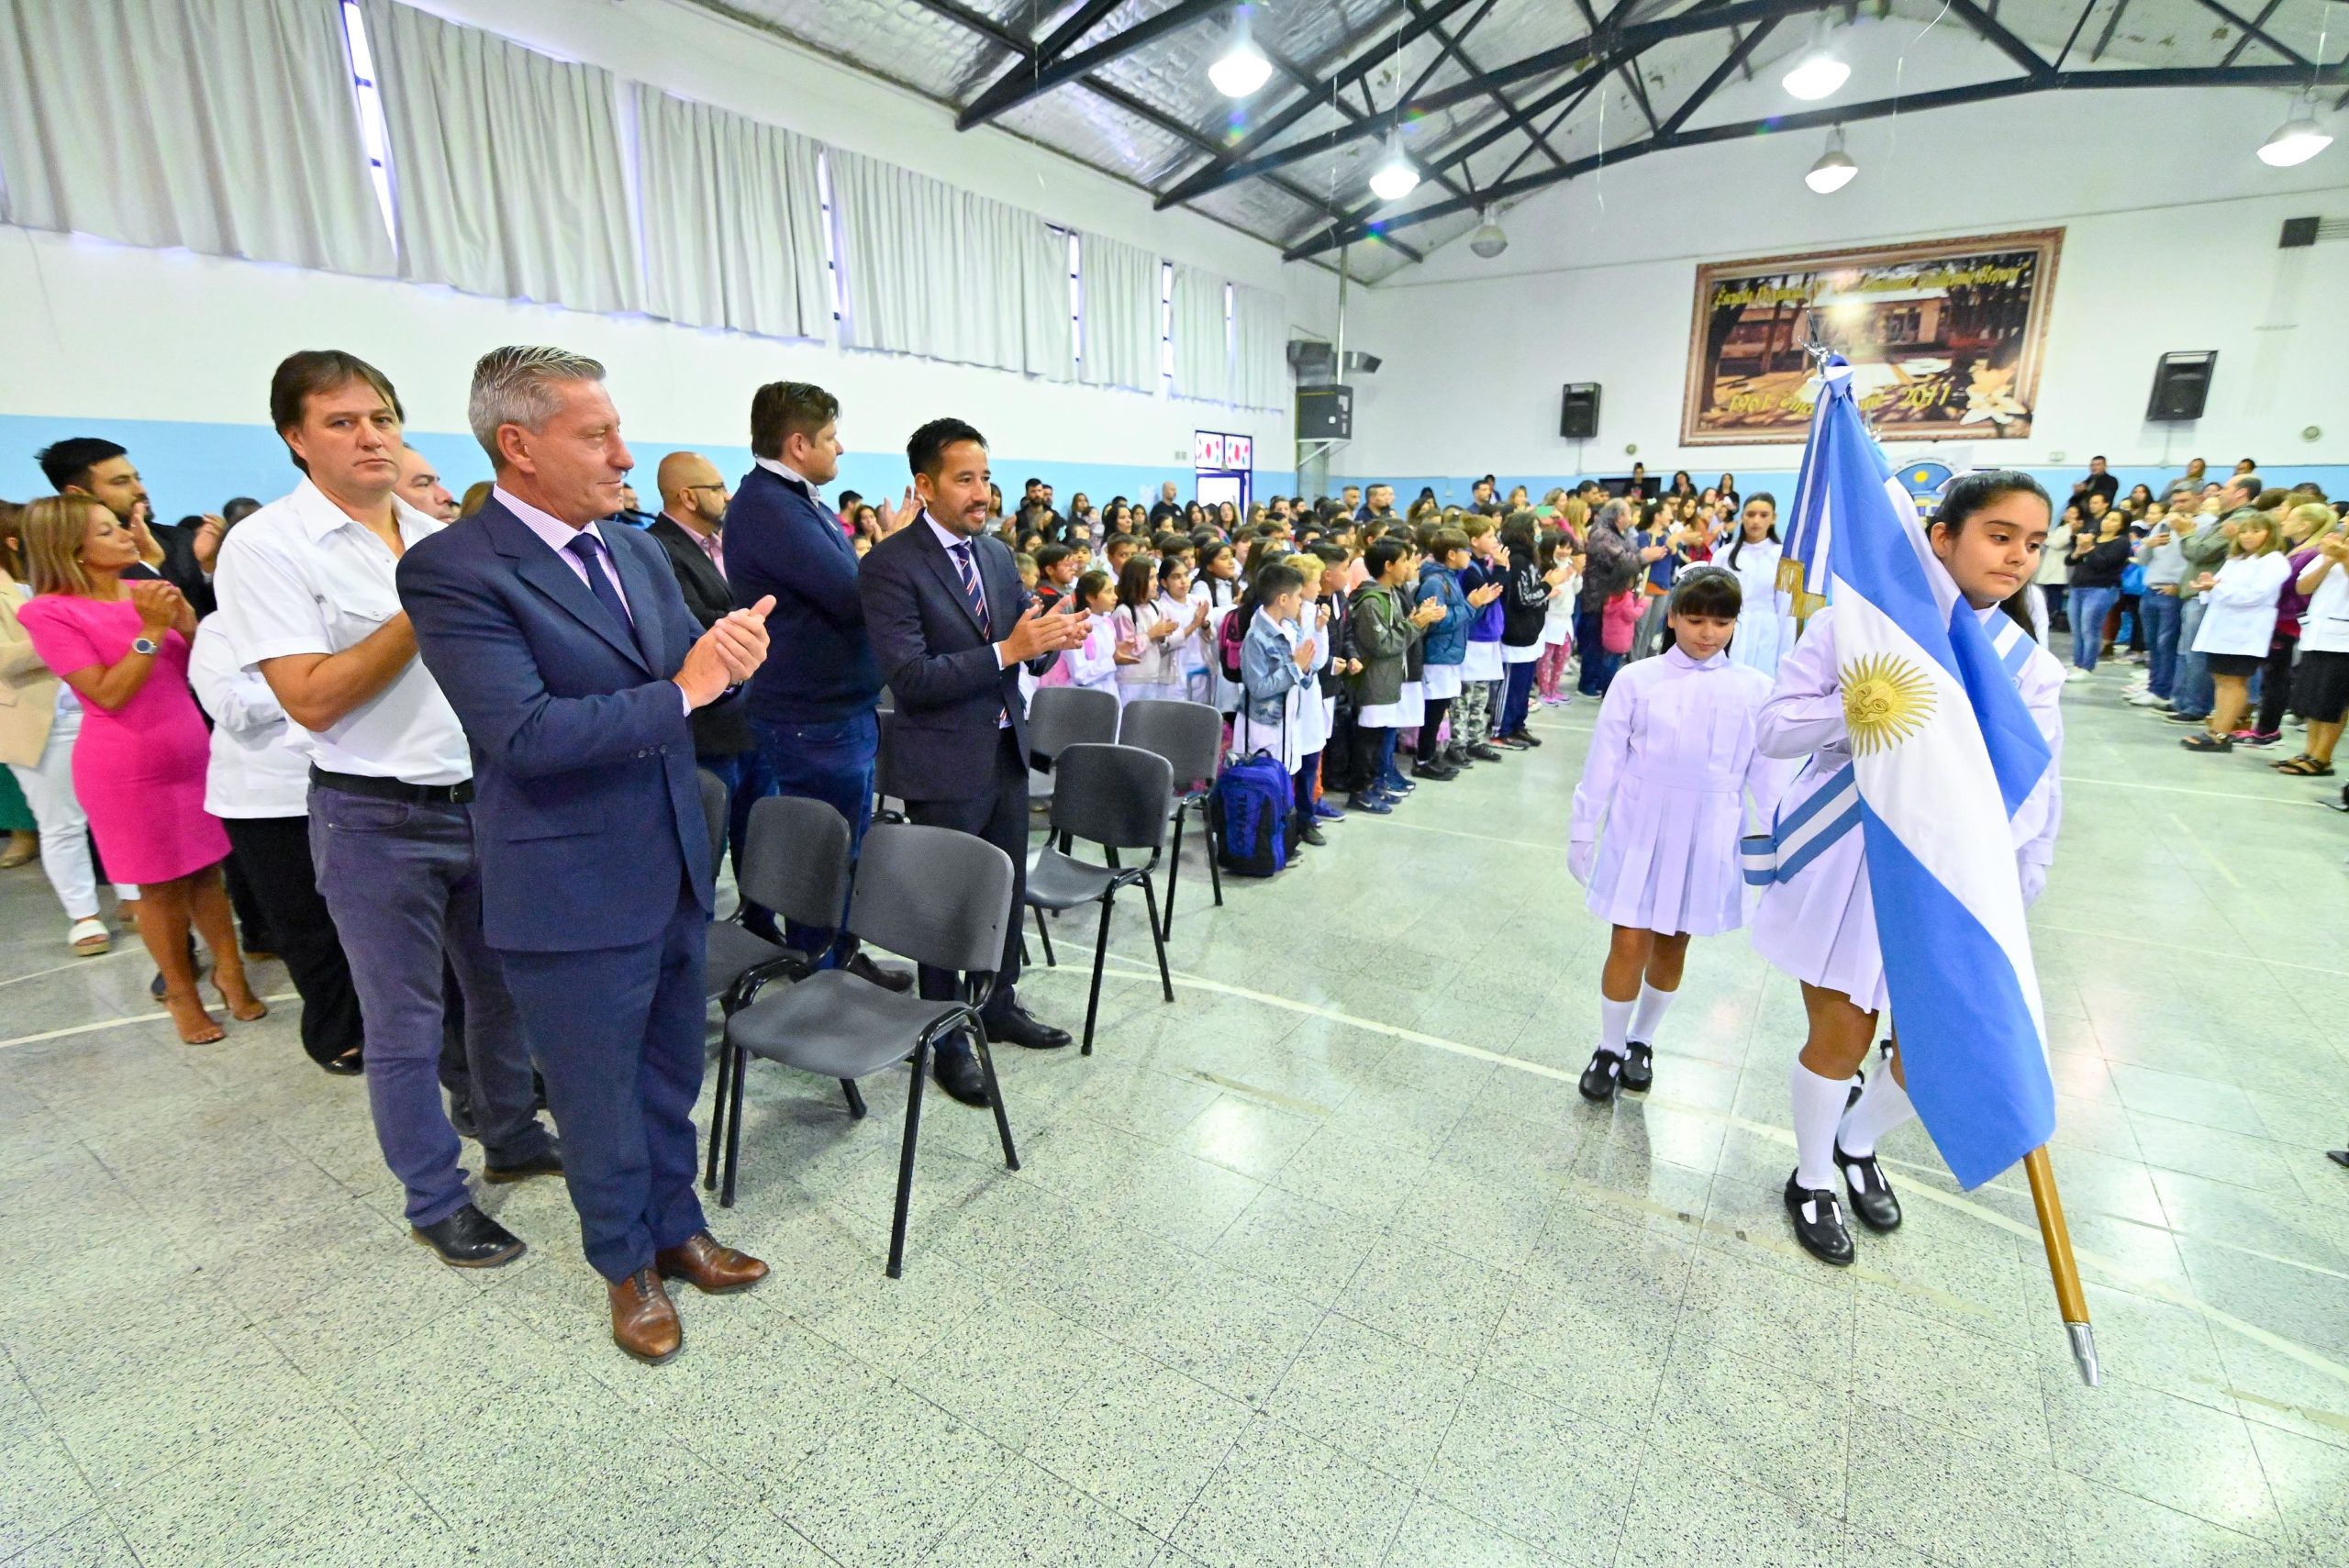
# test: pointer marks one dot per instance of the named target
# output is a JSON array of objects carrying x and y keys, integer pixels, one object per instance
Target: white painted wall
[
  {"x": 171, "y": 353},
  {"x": 2171, "y": 244}
]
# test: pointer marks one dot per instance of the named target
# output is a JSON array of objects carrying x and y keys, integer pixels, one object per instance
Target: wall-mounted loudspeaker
[
  {"x": 2181, "y": 386},
  {"x": 1578, "y": 416},
  {"x": 1325, "y": 413}
]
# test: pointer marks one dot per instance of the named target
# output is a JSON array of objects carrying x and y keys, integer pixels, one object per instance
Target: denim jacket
[{"x": 1268, "y": 671}]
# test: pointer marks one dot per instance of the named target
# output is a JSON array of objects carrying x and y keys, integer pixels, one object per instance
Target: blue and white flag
[{"x": 1943, "y": 753}]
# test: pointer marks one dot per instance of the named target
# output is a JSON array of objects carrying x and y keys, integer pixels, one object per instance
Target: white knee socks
[
  {"x": 1648, "y": 1012},
  {"x": 1818, "y": 1106},
  {"x": 1884, "y": 1105},
  {"x": 1614, "y": 1020}
]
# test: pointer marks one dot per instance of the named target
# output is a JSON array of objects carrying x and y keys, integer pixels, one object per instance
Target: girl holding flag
[{"x": 1817, "y": 919}]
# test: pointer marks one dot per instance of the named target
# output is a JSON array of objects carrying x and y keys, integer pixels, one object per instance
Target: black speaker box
[
  {"x": 2181, "y": 386},
  {"x": 1578, "y": 414},
  {"x": 1325, "y": 413}
]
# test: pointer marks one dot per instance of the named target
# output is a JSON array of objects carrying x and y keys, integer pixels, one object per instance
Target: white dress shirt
[
  {"x": 254, "y": 771},
  {"x": 301, "y": 575},
  {"x": 954, "y": 541}
]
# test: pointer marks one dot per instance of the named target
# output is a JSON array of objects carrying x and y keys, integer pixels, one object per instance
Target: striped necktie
[{"x": 968, "y": 571}]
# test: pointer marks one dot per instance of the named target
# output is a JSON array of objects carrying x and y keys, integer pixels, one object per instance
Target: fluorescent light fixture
[
  {"x": 1395, "y": 178},
  {"x": 1241, "y": 68},
  {"x": 1816, "y": 75},
  {"x": 2297, "y": 141},
  {"x": 1490, "y": 239},
  {"x": 1834, "y": 169}
]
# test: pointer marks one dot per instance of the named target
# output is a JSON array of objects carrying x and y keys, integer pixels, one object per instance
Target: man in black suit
[
  {"x": 950, "y": 625},
  {"x": 691, "y": 529}
]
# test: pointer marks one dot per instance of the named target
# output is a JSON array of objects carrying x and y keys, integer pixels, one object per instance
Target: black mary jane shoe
[
  {"x": 1599, "y": 1079},
  {"x": 1872, "y": 1198},
  {"x": 1824, "y": 1237},
  {"x": 1639, "y": 1068},
  {"x": 1859, "y": 1087}
]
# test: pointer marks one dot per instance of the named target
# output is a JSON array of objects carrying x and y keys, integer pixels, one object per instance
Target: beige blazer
[{"x": 28, "y": 689}]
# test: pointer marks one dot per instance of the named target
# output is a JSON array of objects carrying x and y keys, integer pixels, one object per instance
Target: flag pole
[{"x": 2070, "y": 1299}]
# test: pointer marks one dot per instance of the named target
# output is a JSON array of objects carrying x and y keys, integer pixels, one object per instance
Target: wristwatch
[{"x": 146, "y": 645}]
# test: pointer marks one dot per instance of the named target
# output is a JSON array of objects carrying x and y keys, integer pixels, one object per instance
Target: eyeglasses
[{"x": 720, "y": 487}]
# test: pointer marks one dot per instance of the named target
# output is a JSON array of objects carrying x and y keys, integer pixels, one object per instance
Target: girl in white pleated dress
[
  {"x": 1817, "y": 921},
  {"x": 1765, "y": 628},
  {"x": 1658, "y": 815}
]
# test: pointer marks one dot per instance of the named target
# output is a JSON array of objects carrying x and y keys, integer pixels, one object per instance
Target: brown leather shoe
[
  {"x": 644, "y": 1321},
  {"x": 713, "y": 1270}
]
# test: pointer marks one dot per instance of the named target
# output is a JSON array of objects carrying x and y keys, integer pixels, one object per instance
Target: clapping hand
[
  {"x": 208, "y": 535},
  {"x": 1036, "y": 634},
  {"x": 1304, "y": 654},
  {"x": 726, "y": 655},
  {"x": 161, "y": 605},
  {"x": 1164, "y": 629}
]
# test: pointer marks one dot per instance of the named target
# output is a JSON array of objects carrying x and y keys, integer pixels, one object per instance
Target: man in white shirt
[{"x": 308, "y": 586}]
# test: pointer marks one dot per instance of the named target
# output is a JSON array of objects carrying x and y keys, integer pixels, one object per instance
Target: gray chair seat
[
  {"x": 836, "y": 1025},
  {"x": 732, "y": 951},
  {"x": 1056, "y": 881}
]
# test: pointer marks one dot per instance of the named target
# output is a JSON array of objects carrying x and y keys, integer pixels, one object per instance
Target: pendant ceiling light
[
  {"x": 1490, "y": 239},
  {"x": 1395, "y": 177},
  {"x": 1241, "y": 68},
  {"x": 1817, "y": 71},
  {"x": 1834, "y": 169},
  {"x": 2297, "y": 141}
]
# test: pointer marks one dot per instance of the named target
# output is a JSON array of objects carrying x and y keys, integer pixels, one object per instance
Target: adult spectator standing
[
  {"x": 421, "y": 487},
  {"x": 1482, "y": 500},
  {"x": 102, "y": 470},
  {"x": 2099, "y": 481},
  {"x": 1612, "y": 564},
  {"x": 952, "y": 626},
  {"x": 691, "y": 530},
  {"x": 1168, "y": 513},
  {"x": 2192, "y": 690},
  {"x": 813, "y": 706},
  {"x": 1378, "y": 506},
  {"x": 566, "y": 649},
  {"x": 308, "y": 584},
  {"x": 2163, "y": 556},
  {"x": 260, "y": 788},
  {"x": 1351, "y": 499},
  {"x": 138, "y": 761}
]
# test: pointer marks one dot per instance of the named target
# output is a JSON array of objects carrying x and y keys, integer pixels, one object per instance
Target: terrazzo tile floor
[{"x": 1324, "y": 1263}]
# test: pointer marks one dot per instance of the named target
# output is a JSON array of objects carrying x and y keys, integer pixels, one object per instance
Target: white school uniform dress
[
  {"x": 1093, "y": 663},
  {"x": 1160, "y": 673},
  {"x": 2240, "y": 616},
  {"x": 1558, "y": 621},
  {"x": 1764, "y": 620},
  {"x": 1819, "y": 925},
  {"x": 1663, "y": 793},
  {"x": 1222, "y": 693}
]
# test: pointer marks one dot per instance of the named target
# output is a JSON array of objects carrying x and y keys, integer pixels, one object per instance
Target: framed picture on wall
[{"x": 1946, "y": 339}]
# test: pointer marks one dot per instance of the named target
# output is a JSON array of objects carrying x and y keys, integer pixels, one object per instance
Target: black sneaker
[
  {"x": 1639, "y": 1069},
  {"x": 1872, "y": 1198},
  {"x": 1599, "y": 1079},
  {"x": 1484, "y": 752},
  {"x": 469, "y": 1239},
  {"x": 1443, "y": 772},
  {"x": 1821, "y": 1232}
]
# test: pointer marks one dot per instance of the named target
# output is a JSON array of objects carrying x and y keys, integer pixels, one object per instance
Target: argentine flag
[{"x": 1943, "y": 753}]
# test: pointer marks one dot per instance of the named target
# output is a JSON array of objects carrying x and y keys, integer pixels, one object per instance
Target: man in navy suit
[
  {"x": 575, "y": 665},
  {"x": 950, "y": 625},
  {"x": 813, "y": 705}
]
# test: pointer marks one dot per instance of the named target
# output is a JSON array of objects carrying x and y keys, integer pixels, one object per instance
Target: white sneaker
[
  {"x": 2076, "y": 673},
  {"x": 2148, "y": 699}
]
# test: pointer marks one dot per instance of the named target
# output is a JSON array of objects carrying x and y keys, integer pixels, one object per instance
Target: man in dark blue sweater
[{"x": 813, "y": 703}]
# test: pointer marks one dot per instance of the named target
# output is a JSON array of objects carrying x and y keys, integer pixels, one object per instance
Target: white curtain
[
  {"x": 1121, "y": 315},
  {"x": 930, "y": 269},
  {"x": 505, "y": 165},
  {"x": 1260, "y": 348},
  {"x": 732, "y": 220},
  {"x": 229, "y": 127},
  {"x": 1202, "y": 337}
]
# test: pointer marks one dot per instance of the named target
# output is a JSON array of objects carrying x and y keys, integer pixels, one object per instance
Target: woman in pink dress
[{"x": 139, "y": 766}]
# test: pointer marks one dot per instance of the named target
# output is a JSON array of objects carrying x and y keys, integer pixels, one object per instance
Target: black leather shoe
[
  {"x": 887, "y": 976},
  {"x": 1872, "y": 1198},
  {"x": 1311, "y": 834},
  {"x": 1018, "y": 1026},
  {"x": 1638, "y": 1069},
  {"x": 548, "y": 1162},
  {"x": 956, "y": 1067},
  {"x": 350, "y": 1064},
  {"x": 469, "y": 1239},
  {"x": 1599, "y": 1079},
  {"x": 1823, "y": 1235}
]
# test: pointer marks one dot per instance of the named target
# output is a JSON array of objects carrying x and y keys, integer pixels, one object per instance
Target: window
[
  {"x": 1076, "y": 295},
  {"x": 1166, "y": 326},
  {"x": 372, "y": 135},
  {"x": 831, "y": 239}
]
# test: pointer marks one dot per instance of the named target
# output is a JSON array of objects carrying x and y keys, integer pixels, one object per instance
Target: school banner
[{"x": 1945, "y": 338}]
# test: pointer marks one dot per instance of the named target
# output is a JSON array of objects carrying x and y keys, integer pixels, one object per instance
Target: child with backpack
[
  {"x": 1658, "y": 815},
  {"x": 1280, "y": 710}
]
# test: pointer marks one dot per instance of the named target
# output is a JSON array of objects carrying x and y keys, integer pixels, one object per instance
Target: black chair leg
[
  {"x": 1050, "y": 961},
  {"x": 1100, "y": 957},
  {"x": 1175, "y": 868},
  {"x": 717, "y": 1111},
  {"x": 855, "y": 1100},
  {"x": 905, "y": 1163},
  {"x": 1215, "y": 852},
  {"x": 1150, "y": 902},
  {"x": 995, "y": 1098},
  {"x": 734, "y": 1128}
]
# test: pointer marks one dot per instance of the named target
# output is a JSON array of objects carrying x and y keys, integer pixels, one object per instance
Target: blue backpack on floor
[{"x": 1251, "y": 809}]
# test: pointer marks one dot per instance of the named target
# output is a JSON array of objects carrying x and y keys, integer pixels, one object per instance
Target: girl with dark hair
[
  {"x": 1766, "y": 626},
  {"x": 1147, "y": 631},
  {"x": 1816, "y": 919},
  {"x": 1658, "y": 815}
]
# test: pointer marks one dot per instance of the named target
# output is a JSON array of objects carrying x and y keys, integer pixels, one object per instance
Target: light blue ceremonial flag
[{"x": 1943, "y": 753}]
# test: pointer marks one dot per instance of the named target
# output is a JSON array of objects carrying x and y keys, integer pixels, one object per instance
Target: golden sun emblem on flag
[{"x": 1885, "y": 700}]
